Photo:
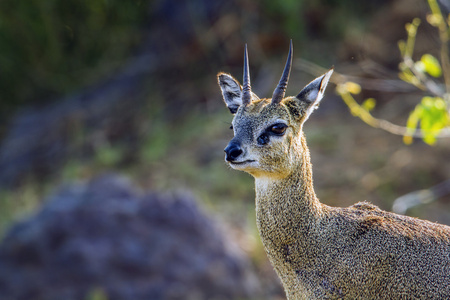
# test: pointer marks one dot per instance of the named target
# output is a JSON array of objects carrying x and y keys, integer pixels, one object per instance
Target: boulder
[{"x": 104, "y": 238}]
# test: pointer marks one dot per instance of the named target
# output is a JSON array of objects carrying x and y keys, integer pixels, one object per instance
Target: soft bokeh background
[{"x": 88, "y": 87}]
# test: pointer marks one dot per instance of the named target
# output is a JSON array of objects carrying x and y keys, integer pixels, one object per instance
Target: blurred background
[{"x": 129, "y": 87}]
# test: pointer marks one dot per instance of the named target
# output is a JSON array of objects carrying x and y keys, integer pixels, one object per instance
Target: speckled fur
[{"x": 323, "y": 252}]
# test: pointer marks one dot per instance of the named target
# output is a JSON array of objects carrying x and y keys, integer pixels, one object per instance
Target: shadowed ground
[{"x": 103, "y": 236}]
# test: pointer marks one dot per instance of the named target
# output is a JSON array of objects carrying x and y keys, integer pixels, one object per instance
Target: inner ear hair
[
  {"x": 312, "y": 93},
  {"x": 231, "y": 91}
]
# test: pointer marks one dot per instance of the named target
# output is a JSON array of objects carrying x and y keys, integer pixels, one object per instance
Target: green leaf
[
  {"x": 414, "y": 118},
  {"x": 369, "y": 104},
  {"x": 411, "y": 124},
  {"x": 353, "y": 87},
  {"x": 431, "y": 65},
  {"x": 433, "y": 118},
  {"x": 109, "y": 155},
  {"x": 409, "y": 77}
]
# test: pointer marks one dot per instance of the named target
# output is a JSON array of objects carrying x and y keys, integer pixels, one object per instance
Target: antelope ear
[
  {"x": 311, "y": 94},
  {"x": 231, "y": 91}
]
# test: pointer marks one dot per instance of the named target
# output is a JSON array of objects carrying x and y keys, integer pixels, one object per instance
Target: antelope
[{"x": 318, "y": 251}]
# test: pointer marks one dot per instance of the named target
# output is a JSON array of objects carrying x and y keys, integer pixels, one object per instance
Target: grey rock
[{"x": 104, "y": 236}]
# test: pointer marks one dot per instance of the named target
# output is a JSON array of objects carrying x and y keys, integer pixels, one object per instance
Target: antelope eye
[{"x": 278, "y": 129}]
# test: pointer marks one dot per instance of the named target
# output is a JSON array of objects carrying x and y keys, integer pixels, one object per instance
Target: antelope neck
[
  {"x": 290, "y": 200},
  {"x": 290, "y": 195}
]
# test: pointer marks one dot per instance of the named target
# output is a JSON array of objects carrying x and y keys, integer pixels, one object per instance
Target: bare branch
[
  {"x": 410, "y": 200},
  {"x": 372, "y": 84}
]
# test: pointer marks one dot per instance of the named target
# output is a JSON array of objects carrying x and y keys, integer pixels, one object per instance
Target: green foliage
[
  {"x": 51, "y": 47},
  {"x": 15, "y": 204},
  {"x": 431, "y": 113},
  {"x": 369, "y": 104},
  {"x": 429, "y": 64},
  {"x": 317, "y": 19},
  {"x": 108, "y": 155},
  {"x": 287, "y": 13}
]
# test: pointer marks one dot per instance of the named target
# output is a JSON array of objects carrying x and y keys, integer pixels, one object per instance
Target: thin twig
[
  {"x": 405, "y": 202},
  {"x": 385, "y": 125},
  {"x": 430, "y": 85},
  {"x": 371, "y": 84},
  {"x": 357, "y": 110}
]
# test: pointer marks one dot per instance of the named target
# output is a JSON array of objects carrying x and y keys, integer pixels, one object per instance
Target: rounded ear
[
  {"x": 231, "y": 91},
  {"x": 312, "y": 93}
]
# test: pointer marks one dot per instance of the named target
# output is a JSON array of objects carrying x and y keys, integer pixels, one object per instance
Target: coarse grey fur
[{"x": 318, "y": 251}]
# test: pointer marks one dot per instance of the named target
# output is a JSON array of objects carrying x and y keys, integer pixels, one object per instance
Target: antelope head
[{"x": 268, "y": 132}]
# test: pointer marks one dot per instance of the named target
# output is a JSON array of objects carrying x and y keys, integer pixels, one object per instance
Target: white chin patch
[{"x": 244, "y": 165}]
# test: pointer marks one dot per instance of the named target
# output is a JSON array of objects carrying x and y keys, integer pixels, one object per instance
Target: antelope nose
[{"x": 232, "y": 151}]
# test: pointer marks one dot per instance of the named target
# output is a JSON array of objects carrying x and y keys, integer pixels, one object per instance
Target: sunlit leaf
[
  {"x": 341, "y": 89},
  {"x": 369, "y": 104},
  {"x": 348, "y": 87},
  {"x": 431, "y": 65},
  {"x": 407, "y": 139},
  {"x": 430, "y": 139},
  {"x": 411, "y": 124},
  {"x": 353, "y": 87},
  {"x": 434, "y": 19},
  {"x": 414, "y": 118},
  {"x": 433, "y": 116},
  {"x": 409, "y": 77}
]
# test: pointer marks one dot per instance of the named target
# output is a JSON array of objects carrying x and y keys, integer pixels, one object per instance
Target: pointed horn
[
  {"x": 246, "y": 89},
  {"x": 280, "y": 90}
]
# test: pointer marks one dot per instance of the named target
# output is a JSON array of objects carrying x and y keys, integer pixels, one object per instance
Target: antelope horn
[
  {"x": 280, "y": 90},
  {"x": 246, "y": 89}
]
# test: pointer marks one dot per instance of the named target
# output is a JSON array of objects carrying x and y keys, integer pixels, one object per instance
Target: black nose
[{"x": 233, "y": 150}]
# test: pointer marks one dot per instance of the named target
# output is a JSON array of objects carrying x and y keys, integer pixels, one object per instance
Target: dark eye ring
[{"x": 278, "y": 128}]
